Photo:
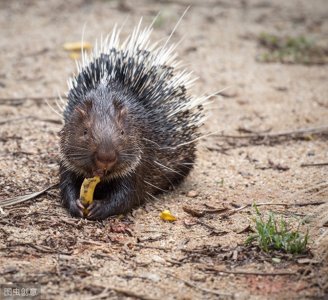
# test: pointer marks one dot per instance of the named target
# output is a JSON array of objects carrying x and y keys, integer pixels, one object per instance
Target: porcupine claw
[
  {"x": 97, "y": 210},
  {"x": 80, "y": 206},
  {"x": 76, "y": 208}
]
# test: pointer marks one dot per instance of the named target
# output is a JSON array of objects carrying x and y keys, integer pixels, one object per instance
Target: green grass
[
  {"x": 294, "y": 50},
  {"x": 271, "y": 235}
]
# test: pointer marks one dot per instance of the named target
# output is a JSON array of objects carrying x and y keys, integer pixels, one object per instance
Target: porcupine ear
[
  {"x": 84, "y": 109},
  {"x": 121, "y": 110}
]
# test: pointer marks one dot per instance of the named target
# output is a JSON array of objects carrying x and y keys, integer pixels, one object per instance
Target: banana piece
[
  {"x": 77, "y": 46},
  {"x": 86, "y": 193},
  {"x": 167, "y": 216}
]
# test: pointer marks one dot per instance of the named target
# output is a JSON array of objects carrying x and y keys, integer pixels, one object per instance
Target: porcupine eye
[
  {"x": 122, "y": 132},
  {"x": 85, "y": 131}
]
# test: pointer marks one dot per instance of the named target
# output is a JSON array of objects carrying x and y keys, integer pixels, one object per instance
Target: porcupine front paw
[
  {"x": 76, "y": 208},
  {"x": 99, "y": 210}
]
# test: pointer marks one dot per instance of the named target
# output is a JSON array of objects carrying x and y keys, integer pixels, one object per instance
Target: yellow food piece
[
  {"x": 87, "y": 189},
  {"x": 74, "y": 55},
  {"x": 167, "y": 216},
  {"x": 77, "y": 46}
]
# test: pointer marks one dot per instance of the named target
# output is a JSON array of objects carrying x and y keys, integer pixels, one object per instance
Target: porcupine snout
[{"x": 105, "y": 160}]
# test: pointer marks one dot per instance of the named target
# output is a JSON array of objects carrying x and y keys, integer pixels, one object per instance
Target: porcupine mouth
[
  {"x": 106, "y": 174},
  {"x": 100, "y": 172}
]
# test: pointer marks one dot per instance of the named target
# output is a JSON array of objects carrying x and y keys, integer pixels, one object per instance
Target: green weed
[
  {"x": 274, "y": 235},
  {"x": 297, "y": 50}
]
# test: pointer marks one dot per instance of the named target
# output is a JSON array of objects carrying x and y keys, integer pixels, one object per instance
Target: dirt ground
[{"x": 139, "y": 255}]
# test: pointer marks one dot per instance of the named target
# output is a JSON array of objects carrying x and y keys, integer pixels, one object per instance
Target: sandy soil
[{"x": 139, "y": 255}]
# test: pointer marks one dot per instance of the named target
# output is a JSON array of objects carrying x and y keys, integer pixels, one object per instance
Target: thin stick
[
  {"x": 42, "y": 249},
  {"x": 313, "y": 130},
  {"x": 315, "y": 164},
  {"x": 270, "y": 203},
  {"x": 54, "y": 121},
  {"x": 8, "y": 99},
  {"x": 294, "y": 204},
  {"x": 211, "y": 228},
  {"x": 202, "y": 212},
  {"x": 283, "y": 204},
  {"x": 316, "y": 187},
  {"x": 193, "y": 285},
  {"x": 320, "y": 192},
  {"x": 20, "y": 100},
  {"x": 153, "y": 247},
  {"x": 19, "y": 199},
  {"x": 278, "y": 273},
  {"x": 105, "y": 294},
  {"x": 310, "y": 203}
]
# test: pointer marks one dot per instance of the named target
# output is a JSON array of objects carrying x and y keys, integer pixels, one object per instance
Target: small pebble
[
  {"x": 192, "y": 194},
  {"x": 198, "y": 277},
  {"x": 158, "y": 259},
  {"x": 153, "y": 277}
]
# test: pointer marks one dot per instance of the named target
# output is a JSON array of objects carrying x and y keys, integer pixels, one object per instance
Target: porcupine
[{"x": 130, "y": 120}]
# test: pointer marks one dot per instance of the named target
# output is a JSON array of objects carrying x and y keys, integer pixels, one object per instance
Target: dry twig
[
  {"x": 54, "y": 121},
  {"x": 202, "y": 212},
  {"x": 233, "y": 211},
  {"x": 213, "y": 230},
  {"x": 315, "y": 164},
  {"x": 19, "y": 199},
  {"x": 241, "y": 272},
  {"x": 9, "y": 100},
  {"x": 105, "y": 294},
  {"x": 197, "y": 287},
  {"x": 294, "y": 133}
]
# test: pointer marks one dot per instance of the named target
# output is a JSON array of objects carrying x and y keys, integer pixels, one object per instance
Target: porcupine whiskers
[
  {"x": 156, "y": 187},
  {"x": 77, "y": 147},
  {"x": 54, "y": 109},
  {"x": 150, "y": 164},
  {"x": 166, "y": 167},
  {"x": 59, "y": 108}
]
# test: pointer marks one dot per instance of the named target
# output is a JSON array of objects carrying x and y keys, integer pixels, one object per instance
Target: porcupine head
[
  {"x": 99, "y": 137},
  {"x": 130, "y": 121}
]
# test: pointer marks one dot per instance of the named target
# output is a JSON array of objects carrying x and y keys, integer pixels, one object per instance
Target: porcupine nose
[{"x": 105, "y": 160}]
